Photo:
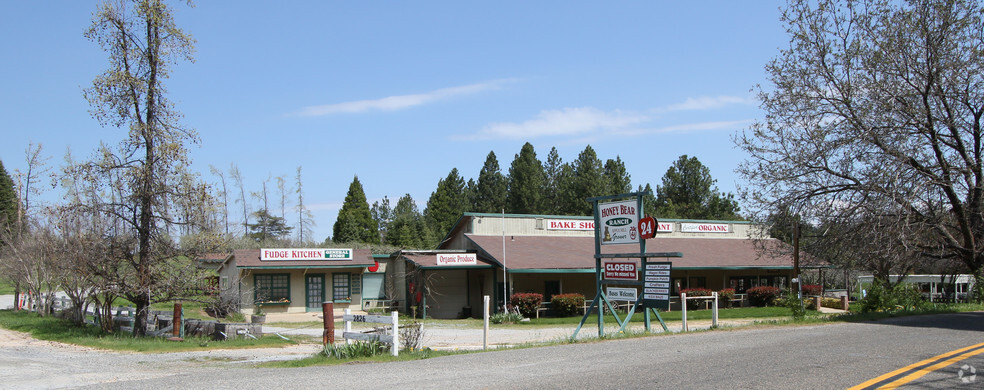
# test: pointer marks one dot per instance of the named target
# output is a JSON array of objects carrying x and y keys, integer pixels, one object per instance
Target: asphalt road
[{"x": 834, "y": 356}]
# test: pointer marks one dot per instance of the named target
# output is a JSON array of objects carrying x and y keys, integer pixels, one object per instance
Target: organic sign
[
  {"x": 704, "y": 228},
  {"x": 457, "y": 259},
  {"x": 619, "y": 222},
  {"x": 305, "y": 254}
]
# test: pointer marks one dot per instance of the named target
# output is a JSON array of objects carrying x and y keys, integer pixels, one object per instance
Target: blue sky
[{"x": 399, "y": 93}]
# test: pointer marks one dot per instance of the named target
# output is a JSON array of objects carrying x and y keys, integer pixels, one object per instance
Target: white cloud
[
  {"x": 689, "y": 127},
  {"x": 393, "y": 103},
  {"x": 708, "y": 103},
  {"x": 567, "y": 121}
]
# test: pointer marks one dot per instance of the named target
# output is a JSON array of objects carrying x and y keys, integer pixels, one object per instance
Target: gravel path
[{"x": 27, "y": 363}]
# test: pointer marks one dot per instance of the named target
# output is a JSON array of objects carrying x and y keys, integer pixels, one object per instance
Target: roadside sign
[
  {"x": 619, "y": 222},
  {"x": 621, "y": 270},
  {"x": 656, "y": 285},
  {"x": 622, "y": 294},
  {"x": 647, "y": 228}
]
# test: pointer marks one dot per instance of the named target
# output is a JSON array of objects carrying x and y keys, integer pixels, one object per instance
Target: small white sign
[
  {"x": 457, "y": 259},
  {"x": 705, "y": 228},
  {"x": 622, "y": 294}
]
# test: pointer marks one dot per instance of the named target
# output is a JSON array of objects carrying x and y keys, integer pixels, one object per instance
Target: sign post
[{"x": 619, "y": 221}]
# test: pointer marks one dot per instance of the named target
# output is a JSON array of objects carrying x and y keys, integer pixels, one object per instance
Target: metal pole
[
  {"x": 714, "y": 311},
  {"x": 328, "y": 313},
  {"x": 505, "y": 281},
  {"x": 485, "y": 321},
  {"x": 683, "y": 305}
]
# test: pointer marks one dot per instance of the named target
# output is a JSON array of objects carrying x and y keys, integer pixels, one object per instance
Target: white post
[
  {"x": 395, "y": 350},
  {"x": 348, "y": 325},
  {"x": 714, "y": 310},
  {"x": 485, "y": 321},
  {"x": 683, "y": 305}
]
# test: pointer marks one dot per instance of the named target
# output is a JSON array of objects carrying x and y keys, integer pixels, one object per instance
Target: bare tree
[
  {"x": 875, "y": 110},
  {"x": 146, "y": 174},
  {"x": 224, "y": 194},
  {"x": 237, "y": 179},
  {"x": 305, "y": 220}
]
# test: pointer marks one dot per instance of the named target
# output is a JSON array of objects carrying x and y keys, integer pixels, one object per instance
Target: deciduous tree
[
  {"x": 875, "y": 109},
  {"x": 145, "y": 178}
]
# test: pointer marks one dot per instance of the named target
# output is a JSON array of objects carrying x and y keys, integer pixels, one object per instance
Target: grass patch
[
  {"x": 322, "y": 360},
  {"x": 692, "y": 315},
  {"x": 56, "y": 329},
  {"x": 6, "y": 287}
]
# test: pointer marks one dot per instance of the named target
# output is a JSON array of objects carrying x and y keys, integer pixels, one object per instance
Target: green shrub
[
  {"x": 812, "y": 289},
  {"x": 763, "y": 295},
  {"x": 505, "y": 318},
  {"x": 694, "y": 304},
  {"x": 726, "y": 295},
  {"x": 797, "y": 306},
  {"x": 355, "y": 350},
  {"x": 526, "y": 303},
  {"x": 833, "y": 303},
  {"x": 567, "y": 305},
  {"x": 901, "y": 296}
]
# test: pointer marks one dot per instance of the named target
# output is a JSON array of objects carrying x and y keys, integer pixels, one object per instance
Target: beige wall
[
  {"x": 298, "y": 289},
  {"x": 537, "y": 226}
]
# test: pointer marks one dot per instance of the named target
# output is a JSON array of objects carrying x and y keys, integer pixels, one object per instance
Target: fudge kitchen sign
[
  {"x": 305, "y": 254},
  {"x": 619, "y": 222}
]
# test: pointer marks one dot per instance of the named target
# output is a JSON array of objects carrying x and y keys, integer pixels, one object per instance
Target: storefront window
[
  {"x": 272, "y": 287},
  {"x": 340, "y": 284}
]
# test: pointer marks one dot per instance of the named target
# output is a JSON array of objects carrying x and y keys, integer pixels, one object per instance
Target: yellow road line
[{"x": 918, "y": 370}]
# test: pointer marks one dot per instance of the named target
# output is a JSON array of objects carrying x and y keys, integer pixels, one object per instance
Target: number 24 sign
[{"x": 647, "y": 227}]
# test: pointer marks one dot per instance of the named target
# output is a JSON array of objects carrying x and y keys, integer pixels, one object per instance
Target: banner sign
[
  {"x": 567, "y": 224},
  {"x": 656, "y": 285},
  {"x": 305, "y": 254},
  {"x": 457, "y": 259},
  {"x": 621, "y": 271},
  {"x": 622, "y": 294},
  {"x": 705, "y": 228},
  {"x": 619, "y": 222}
]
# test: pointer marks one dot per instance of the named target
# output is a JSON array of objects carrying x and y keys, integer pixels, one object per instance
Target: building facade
[{"x": 511, "y": 253}]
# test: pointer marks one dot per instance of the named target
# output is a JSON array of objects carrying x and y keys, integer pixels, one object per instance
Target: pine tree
[
  {"x": 447, "y": 203},
  {"x": 616, "y": 177},
  {"x": 688, "y": 192},
  {"x": 8, "y": 200},
  {"x": 408, "y": 230},
  {"x": 490, "y": 190},
  {"x": 552, "y": 170},
  {"x": 526, "y": 182},
  {"x": 354, "y": 222},
  {"x": 585, "y": 183}
]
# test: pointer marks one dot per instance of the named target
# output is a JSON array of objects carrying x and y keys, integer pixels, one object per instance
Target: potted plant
[{"x": 259, "y": 316}]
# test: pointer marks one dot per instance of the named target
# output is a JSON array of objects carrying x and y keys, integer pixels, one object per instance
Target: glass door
[{"x": 314, "y": 286}]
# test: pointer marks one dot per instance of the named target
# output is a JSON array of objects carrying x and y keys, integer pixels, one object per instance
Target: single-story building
[
  {"x": 292, "y": 280},
  {"x": 555, "y": 255}
]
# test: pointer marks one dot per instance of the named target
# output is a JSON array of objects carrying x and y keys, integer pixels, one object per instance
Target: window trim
[
  {"x": 348, "y": 287},
  {"x": 256, "y": 288}
]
